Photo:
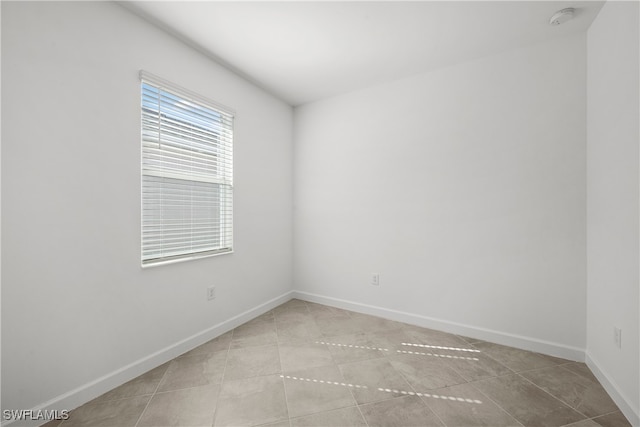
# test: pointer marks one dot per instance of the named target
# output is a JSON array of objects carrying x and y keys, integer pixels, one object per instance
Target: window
[{"x": 187, "y": 174}]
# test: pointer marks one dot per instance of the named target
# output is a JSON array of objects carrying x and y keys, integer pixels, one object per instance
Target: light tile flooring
[{"x": 305, "y": 364}]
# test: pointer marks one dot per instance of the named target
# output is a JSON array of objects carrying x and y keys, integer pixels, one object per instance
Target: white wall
[
  {"x": 76, "y": 304},
  {"x": 612, "y": 201},
  {"x": 463, "y": 188}
]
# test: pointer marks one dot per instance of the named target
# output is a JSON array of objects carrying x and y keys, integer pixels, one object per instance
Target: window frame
[{"x": 213, "y": 167}]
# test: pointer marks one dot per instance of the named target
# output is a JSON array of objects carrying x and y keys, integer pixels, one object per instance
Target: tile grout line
[
  {"x": 511, "y": 372},
  {"x": 420, "y": 396},
  {"x": 154, "y": 393},
  {"x": 564, "y": 366},
  {"x": 313, "y": 380},
  {"x": 284, "y": 386},
  {"x": 224, "y": 371},
  {"x": 126, "y": 397},
  {"x": 493, "y": 401},
  {"x": 555, "y": 397},
  {"x": 355, "y": 400},
  {"x": 337, "y": 365},
  {"x": 468, "y": 383},
  {"x": 524, "y": 371},
  {"x": 334, "y": 364},
  {"x": 609, "y": 413}
]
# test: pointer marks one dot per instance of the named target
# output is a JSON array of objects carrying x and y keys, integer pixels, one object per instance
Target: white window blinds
[{"x": 187, "y": 174}]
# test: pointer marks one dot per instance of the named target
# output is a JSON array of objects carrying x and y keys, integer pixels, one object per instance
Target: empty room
[{"x": 327, "y": 213}]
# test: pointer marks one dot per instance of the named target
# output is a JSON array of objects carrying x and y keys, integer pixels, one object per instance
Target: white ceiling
[{"x": 305, "y": 51}]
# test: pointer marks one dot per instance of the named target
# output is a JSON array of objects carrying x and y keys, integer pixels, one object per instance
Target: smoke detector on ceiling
[{"x": 562, "y": 16}]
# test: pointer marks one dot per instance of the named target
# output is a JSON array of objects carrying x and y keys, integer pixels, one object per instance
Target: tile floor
[{"x": 305, "y": 364}]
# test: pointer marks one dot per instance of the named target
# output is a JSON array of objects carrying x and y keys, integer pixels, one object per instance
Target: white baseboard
[
  {"x": 632, "y": 413},
  {"x": 83, "y": 394},
  {"x": 511, "y": 340}
]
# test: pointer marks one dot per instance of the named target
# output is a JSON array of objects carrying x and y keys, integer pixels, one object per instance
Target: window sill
[{"x": 149, "y": 264}]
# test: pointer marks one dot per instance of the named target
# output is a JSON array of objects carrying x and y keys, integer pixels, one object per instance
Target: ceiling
[{"x": 305, "y": 51}]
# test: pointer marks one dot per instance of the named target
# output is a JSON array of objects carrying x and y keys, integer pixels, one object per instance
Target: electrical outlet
[
  {"x": 617, "y": 336},
  {"x": 211, "y": 293},
  {"x": 375, "y": 279}
]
